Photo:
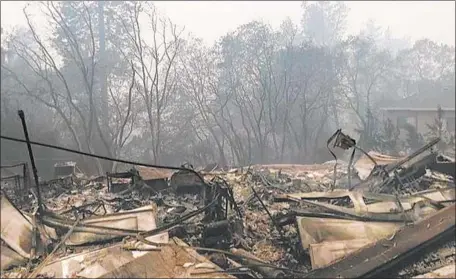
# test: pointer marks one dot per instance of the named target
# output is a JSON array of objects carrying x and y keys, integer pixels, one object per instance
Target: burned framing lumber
[{"x": 379, "y": 258}]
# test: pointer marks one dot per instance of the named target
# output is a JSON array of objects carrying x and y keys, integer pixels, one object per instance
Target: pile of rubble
[{"x": 383, "y": 216}]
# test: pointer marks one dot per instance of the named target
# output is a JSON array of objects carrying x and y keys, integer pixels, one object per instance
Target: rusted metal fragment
[
  {"x": 325, "y": 253},
  {"x": 318, "y": 230},
  {"x": 9, "y": 258},
  {"x": 137, "y": 219},
  {"x": 386, "y": 254},
  {"x": 175, "y": 261},
  {"x": 147, "y": 173},
  {"x": 448, "y": 271},
  {"x": 16, "y": 230}
]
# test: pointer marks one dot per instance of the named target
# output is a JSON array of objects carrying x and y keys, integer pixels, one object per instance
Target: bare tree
[
  {"x": 154, "y": 64},
  {"x": 199, "y": 78},
  {"x": 60, "y": 87},
  {"x": 365, "y": 68}
]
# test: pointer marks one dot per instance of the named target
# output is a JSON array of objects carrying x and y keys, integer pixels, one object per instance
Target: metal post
[
  {"x": 32, "y": 160},
  {"x": 24, "y": 178}
]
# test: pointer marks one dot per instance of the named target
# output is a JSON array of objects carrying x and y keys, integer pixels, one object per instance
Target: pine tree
[{"x": 438, "y": 129}]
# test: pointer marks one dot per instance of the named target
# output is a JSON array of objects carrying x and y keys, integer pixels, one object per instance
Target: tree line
[{"x": 117, "y": 78}]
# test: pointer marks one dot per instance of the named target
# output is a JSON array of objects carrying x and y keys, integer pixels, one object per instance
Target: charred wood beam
[
  {"x": 389, "y": 253},
  {"x": 248, "y": 259}
]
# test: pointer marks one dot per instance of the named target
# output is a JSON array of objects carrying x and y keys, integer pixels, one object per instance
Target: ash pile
[{"x": 381, "y": 216}]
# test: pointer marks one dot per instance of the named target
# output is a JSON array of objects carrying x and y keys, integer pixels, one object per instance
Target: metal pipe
[{"x": 32, "y": 160}]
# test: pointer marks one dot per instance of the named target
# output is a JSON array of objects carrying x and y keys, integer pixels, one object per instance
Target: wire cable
[{"x": 102, "y": 157}]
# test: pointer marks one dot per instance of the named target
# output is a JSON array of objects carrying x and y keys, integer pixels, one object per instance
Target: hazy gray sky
[{"x": 210, "y": 20}]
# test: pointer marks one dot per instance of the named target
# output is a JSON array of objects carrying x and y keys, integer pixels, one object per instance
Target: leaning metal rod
[
  {"x": 267, "y": 211},
  {"x": 147, "y": 233},
  {"x": 335, "y": 158},
  {"x": 32, "y": 160},
  {"x": 349, "y": 168},
  {"x": 49, "y": 257}
]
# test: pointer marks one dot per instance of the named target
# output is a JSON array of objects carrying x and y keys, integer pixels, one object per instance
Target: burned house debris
[
  {"x": 65, "y": 169},
  {"x": 394, "y": 217},
  {"x": 14, "y": 180}
]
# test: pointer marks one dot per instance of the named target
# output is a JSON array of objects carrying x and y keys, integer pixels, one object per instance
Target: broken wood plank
[{"x": 380, "y": 257}]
